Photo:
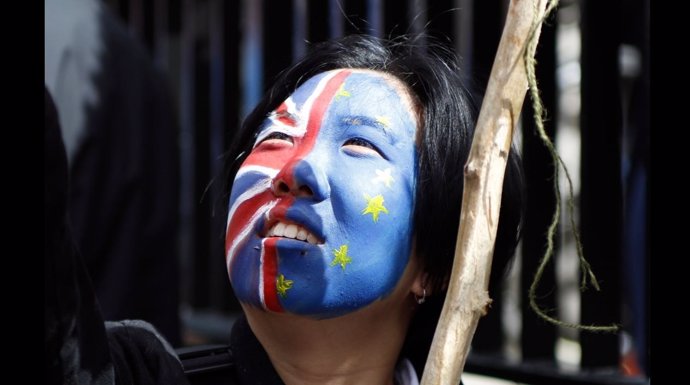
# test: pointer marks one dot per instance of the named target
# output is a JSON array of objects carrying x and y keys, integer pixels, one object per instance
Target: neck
[{"x": 353, "y": 349}]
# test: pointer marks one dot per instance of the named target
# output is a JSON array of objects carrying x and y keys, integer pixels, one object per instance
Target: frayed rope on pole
[{"x": 538, "y": 108}]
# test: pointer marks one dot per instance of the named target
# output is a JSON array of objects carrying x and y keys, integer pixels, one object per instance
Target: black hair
[{"x": 448, "y": 115}]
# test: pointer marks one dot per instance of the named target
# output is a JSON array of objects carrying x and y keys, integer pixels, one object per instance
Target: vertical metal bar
[
  {"x": 232, "y": 32},
  {"x": 486, "y": 36},
  {"x": 636, "y": 164},
  {"x": 464, "y": 33},
  {"x": 231, "y": 108},
  {"x": 202, "y": 250},
  {"x": 355, "y": 16},
  {"x": 417, "y": 15},
  {"x": 634, "y": 67},
  {"x": 161, "y": 37},
  {"x": 300, "y": 28},
  {"x": 375, "y": 17},
  {"x": 441, "y": 22},
  {"x": 278, "y": 25},
  {"x": 136, "y": 18},
  {"x": 336, "y": 9},
  {"x": 396, "y": 17},
  {"x": 252, "y": 55},
  {"x": 216, "y": 146},
  {"x": 187, "y": 151},
  {"x": 217, "y": 83},
  {"x": 318, "y": 21},
  {"x": 601, "y": 194},
  {"x": 539, "y": 337}
]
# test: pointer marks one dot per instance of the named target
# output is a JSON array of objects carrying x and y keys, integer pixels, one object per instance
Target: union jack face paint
[{"x": 320, "y": 218}]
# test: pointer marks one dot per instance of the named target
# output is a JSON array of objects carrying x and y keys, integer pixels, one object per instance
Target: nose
[{"x": 303, "y": 179}]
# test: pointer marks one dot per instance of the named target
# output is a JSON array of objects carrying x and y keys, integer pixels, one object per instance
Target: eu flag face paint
[{"x": 320, "y": 219}]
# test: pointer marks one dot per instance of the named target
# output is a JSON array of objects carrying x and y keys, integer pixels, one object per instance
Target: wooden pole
[{"x": 467, "y": 298}]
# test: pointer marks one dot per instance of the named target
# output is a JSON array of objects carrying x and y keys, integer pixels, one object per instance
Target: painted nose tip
[
  {"x": 281, "y": 187},
  {"x": 311, "y": 178}
]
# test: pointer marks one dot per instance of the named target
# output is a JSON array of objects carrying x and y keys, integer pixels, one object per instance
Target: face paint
[{"x": 320, "y": 219}]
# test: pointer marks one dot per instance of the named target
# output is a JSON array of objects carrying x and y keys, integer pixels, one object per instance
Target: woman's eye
[
  {"x": 277, "y": 138},
  {"x": 361, "y": 146}
]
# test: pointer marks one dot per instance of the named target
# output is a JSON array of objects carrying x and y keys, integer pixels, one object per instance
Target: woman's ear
[{"x": 419, "y": 286}]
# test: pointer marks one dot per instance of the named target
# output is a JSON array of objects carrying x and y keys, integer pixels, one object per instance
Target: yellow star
[
  {"x": 384, "y": 176},
  {"x": 283, "y": 285},
  {"x": 374, "y": 207},
  {"x": 341, "y": 257},
  {"x": 384, "y": 120},
  {"x": 342, "y": 92}
]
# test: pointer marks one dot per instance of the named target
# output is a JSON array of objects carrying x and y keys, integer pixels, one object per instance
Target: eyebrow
[{"x": 361, "y": 120}]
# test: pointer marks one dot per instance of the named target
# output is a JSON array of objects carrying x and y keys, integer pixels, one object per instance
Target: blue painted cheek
[
  {"x": 383, "y": 246},
  {"x": 310, "y": 283},
  {"x": 245, "y": 273}
]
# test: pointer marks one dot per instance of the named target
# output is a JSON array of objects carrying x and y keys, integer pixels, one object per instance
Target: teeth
[
  {"x": 292, "y": 231},
  {"x": 279, "y": 229},
  {"x": 311, "y": 239}
]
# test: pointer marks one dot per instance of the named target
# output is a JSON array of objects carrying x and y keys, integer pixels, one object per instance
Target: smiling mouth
[{"x": 292, "y": 231}]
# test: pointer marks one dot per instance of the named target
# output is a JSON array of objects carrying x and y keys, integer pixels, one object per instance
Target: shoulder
[{"x": 141, "y": 355}]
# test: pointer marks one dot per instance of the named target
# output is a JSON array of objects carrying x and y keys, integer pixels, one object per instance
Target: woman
[{"x": 343, "y": 211}]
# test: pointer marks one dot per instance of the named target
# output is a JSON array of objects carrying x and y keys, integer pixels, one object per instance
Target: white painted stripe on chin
[{"x": 261, "y": 276}]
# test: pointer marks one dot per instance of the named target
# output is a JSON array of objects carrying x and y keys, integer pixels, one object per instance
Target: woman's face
[{"x": 320, "y": 220}]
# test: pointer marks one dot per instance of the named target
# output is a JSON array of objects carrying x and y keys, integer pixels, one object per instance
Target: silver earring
[{"x": 421, "y": 300}]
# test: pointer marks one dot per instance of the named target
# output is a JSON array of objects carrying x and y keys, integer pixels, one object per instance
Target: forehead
[{"x": 364, "y": 90}]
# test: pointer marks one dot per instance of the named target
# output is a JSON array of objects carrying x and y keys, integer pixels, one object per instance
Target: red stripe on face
[
  {"x": 303, "y": 146},
  {"x": 270, "y": 273},
  {"x": 270, "y": 264},
  {"x": 318, "y": 110},
  {"x": 284, "y": 159}
]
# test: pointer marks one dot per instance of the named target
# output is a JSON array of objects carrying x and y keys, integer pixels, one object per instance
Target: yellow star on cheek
[
  {"x": 384, "y": 176},
  {"x": 374, "y": 207},
  {"x": 386, "y": 121},
  {"x": 341, "y": 257},
  {"x": 283, "y": 285},
  {"x": 342, "y": 92}
]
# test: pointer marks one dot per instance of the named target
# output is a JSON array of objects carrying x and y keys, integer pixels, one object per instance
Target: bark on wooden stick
[{"x": 467, "y": 298}]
